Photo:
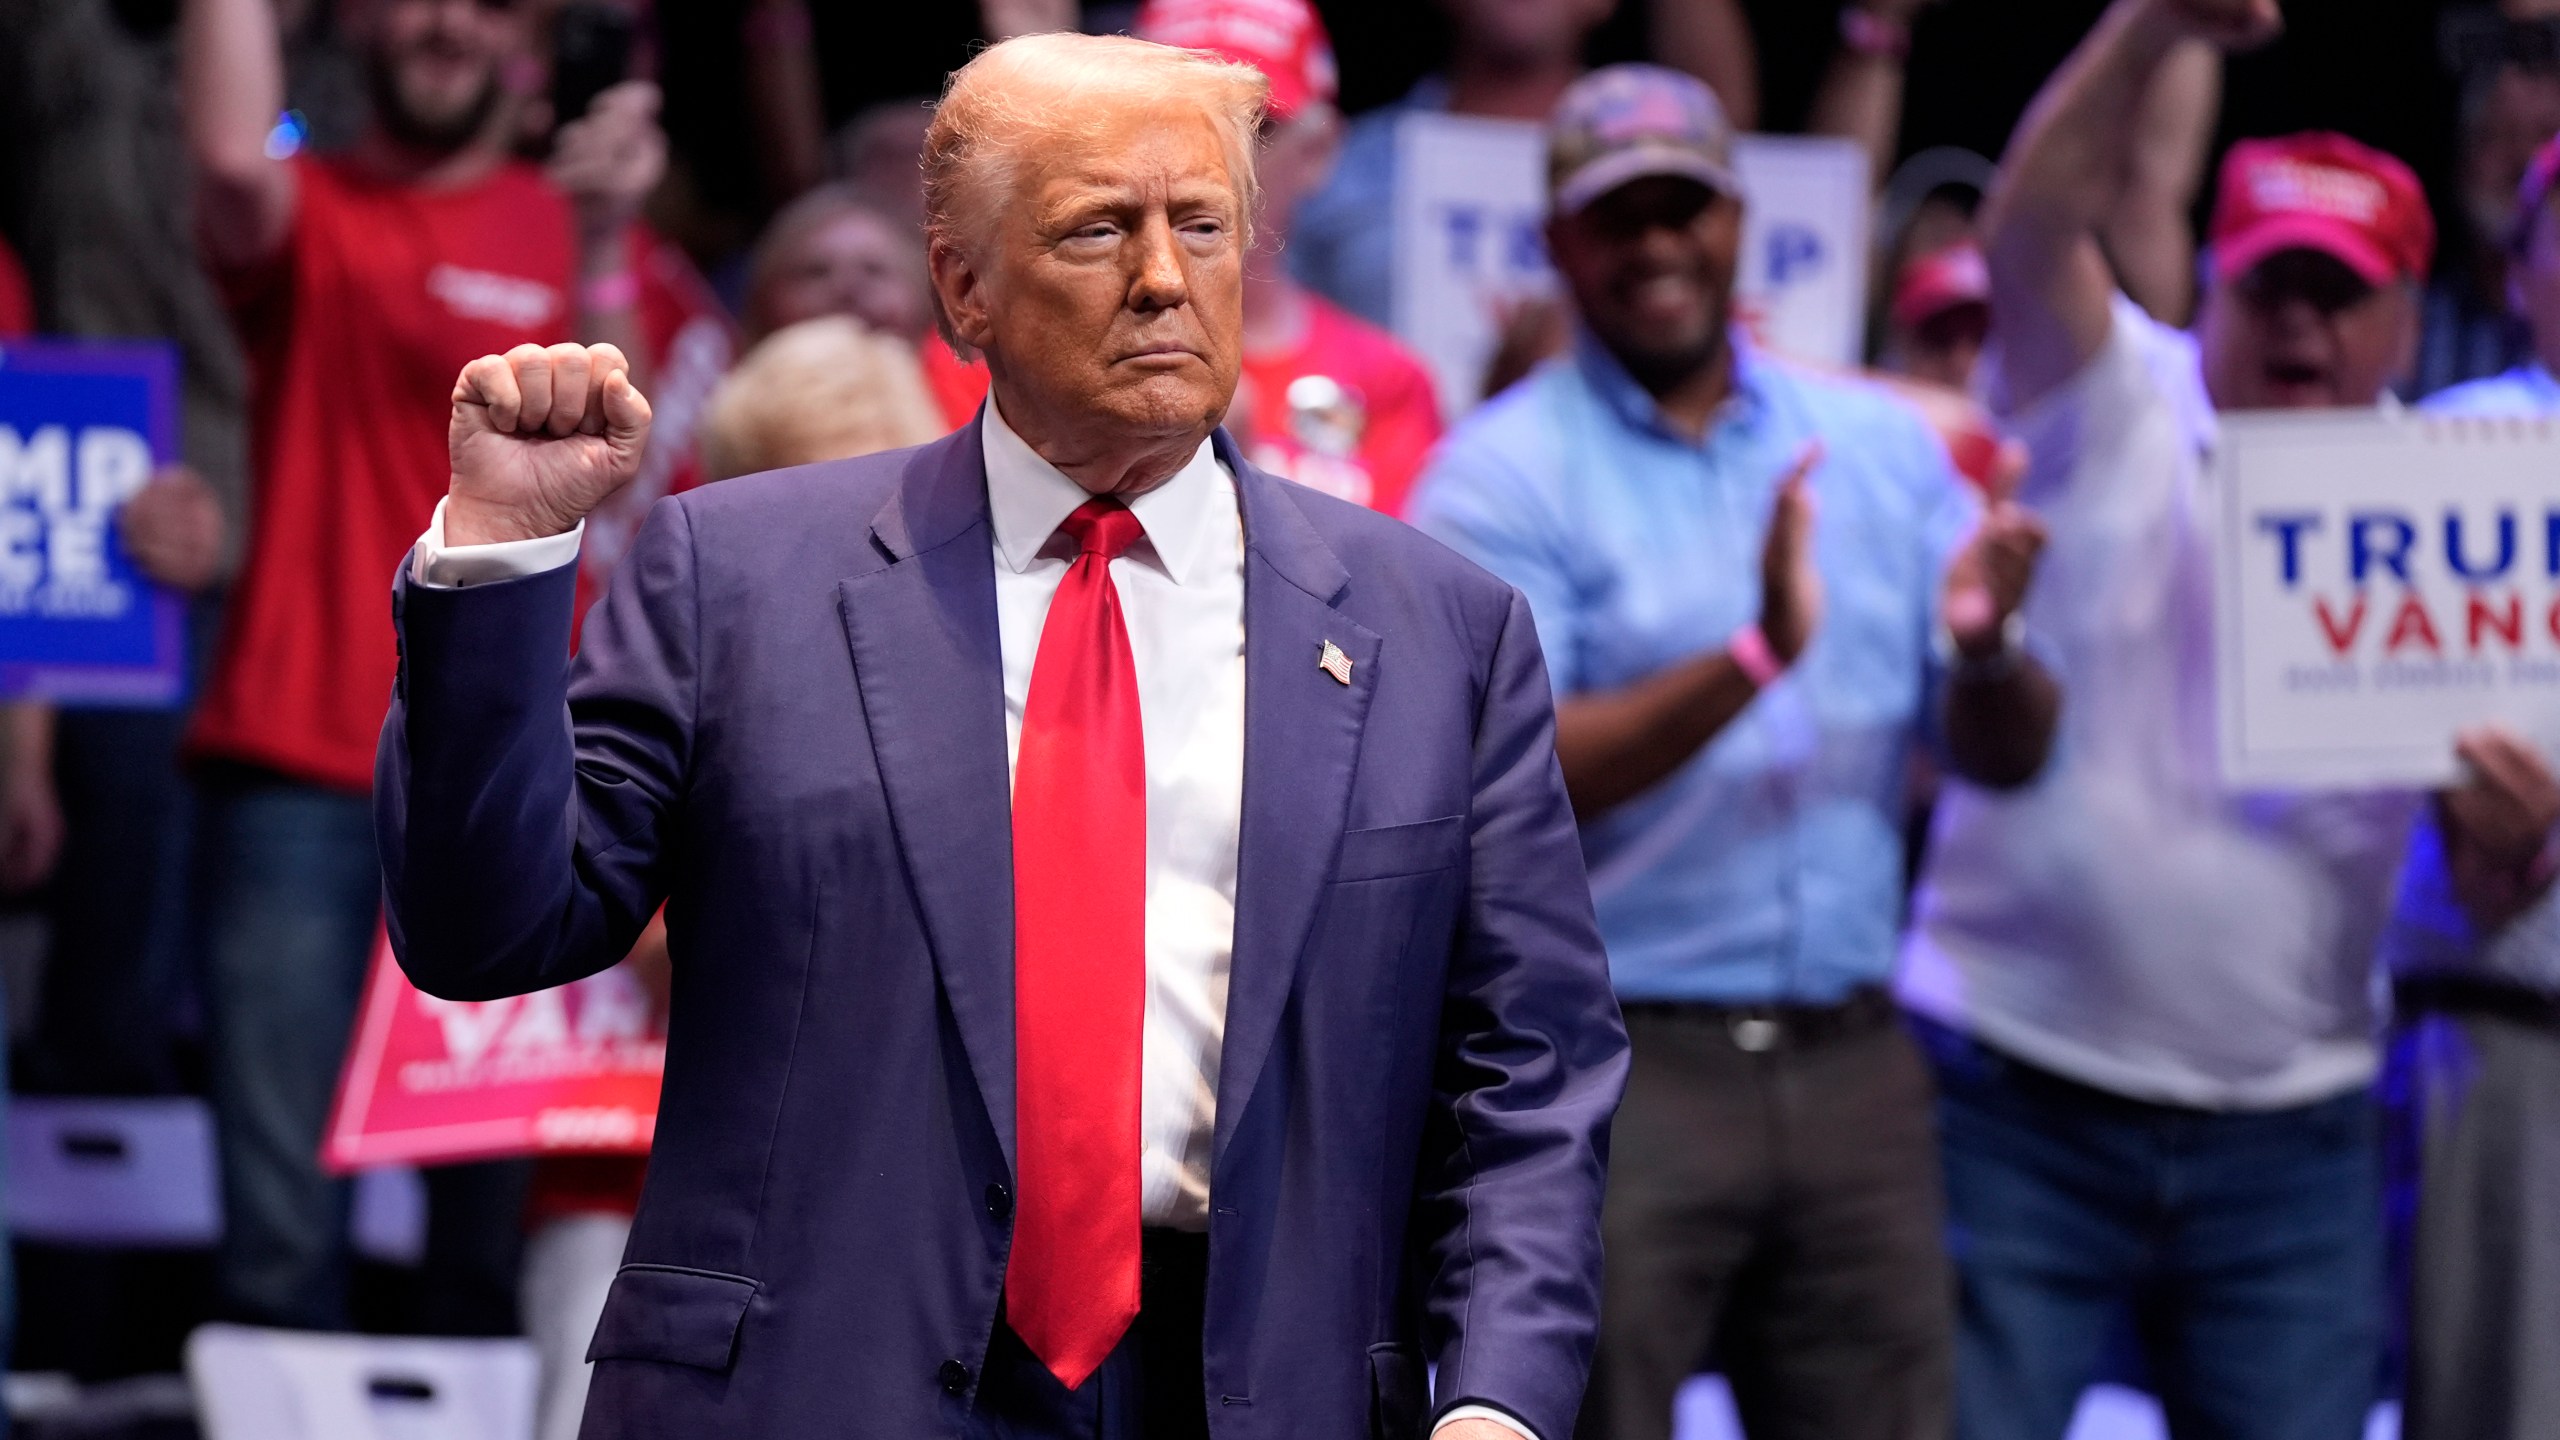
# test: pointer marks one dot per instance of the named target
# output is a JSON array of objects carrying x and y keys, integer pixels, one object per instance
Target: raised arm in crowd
[{"x": 444, "y": 128}]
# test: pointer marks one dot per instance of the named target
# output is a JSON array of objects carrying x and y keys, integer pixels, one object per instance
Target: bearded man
[{"x": 358, "y": 282}]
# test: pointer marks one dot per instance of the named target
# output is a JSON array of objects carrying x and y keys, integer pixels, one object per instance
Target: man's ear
[{"x": 959, "y": 296}]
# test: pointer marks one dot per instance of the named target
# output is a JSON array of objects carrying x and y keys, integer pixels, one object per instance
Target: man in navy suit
[{"x": 1134, "y": 975}]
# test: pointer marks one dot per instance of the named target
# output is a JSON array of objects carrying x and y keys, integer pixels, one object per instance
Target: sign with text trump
[
  {"x": 428, "y": 1081},
  {"x": 1468, "y": 232},
  {"x": 82, "y": 426},
  {"x": 2384, "y": 581}
]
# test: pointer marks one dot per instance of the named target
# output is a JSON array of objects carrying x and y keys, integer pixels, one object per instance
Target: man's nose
[{"x": 1161, "y": 281}]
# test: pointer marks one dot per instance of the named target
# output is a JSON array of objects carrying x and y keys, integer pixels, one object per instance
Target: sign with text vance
[
  {"x": 82, "y": 426},
  {"x": 2383, "y": 581},
  {"x": 569, "y": 1070},
  {"x": 1470, "y": 214}
]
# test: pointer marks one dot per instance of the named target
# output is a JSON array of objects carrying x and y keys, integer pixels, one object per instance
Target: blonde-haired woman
[{"x": 822, "y": 389}]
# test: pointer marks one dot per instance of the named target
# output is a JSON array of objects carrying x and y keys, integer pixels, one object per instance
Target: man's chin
[
  {"x": 1167, "y": 405},
  {"x": 437, "y": 123}
]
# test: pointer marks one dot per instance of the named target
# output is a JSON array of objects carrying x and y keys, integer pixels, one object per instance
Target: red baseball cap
[
  {"x": 1940, "y": 281},
  {"x": 1284, "y": 39},
  {"x": 2324, "y": 192}
]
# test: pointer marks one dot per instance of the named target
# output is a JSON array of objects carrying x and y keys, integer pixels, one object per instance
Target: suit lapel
[
  {"x": 1301, "y": 746},
  {"x": 926, "y": 656}
]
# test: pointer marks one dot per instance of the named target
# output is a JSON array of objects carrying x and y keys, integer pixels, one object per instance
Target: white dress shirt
[
  {"x": 1181, "y": 591},
  {"x": 1182, "y": 597}
]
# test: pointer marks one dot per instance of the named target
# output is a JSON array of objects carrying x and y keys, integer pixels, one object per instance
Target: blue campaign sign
[{"x": 82, "y": 426}]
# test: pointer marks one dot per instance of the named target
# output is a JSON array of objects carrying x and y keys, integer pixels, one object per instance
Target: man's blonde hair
[
  {"x": 1052, "y": 90},
  {"x": 824, "y": 389}
]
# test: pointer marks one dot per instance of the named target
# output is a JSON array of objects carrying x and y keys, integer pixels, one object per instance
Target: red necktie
[{"x": 1079, "y": 966}]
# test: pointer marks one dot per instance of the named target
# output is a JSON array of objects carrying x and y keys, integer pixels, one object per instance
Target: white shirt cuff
[
  {"x": 1483, "y": 1412},
  {"x": 440, "y": 567}
]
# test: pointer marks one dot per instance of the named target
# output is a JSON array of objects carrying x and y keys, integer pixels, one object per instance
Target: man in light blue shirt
[
  {"x": 1740, "y": 683},
  {"x": 2474, "y": 1064}
]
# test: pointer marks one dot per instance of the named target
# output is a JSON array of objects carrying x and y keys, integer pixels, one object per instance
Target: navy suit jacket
[{"x": 787, "y": 722}]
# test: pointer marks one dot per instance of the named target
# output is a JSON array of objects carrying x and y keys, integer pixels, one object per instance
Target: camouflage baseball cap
[{"x": 1625, "y": 122}]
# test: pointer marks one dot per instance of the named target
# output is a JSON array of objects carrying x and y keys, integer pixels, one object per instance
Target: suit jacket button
[
  {"x": 955, "y": 1376},
  {"x": 999, "y": 1202}
]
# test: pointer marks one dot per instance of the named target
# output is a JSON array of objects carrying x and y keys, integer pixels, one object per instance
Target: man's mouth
[
  {"x": 1657, "y": 291},
  {"x": 2295, "y": 374}
]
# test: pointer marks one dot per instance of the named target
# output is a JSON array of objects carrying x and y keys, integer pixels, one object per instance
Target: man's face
[
  {"x": 1109, "y": 298},
  {"x": 851, "y": 264},
  {"x": 435, "y": 65},
  {"x": 1527, "y": 31},
  {"x": 1944, "y": 348},
  {"x": 1650, "y": 266},
  {"x": 2302, "y": 331}
]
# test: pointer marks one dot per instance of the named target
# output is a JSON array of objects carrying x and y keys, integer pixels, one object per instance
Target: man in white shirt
[
  {"x": 2149, "y": 997},
  {"x": 1232, "y": 1056}
]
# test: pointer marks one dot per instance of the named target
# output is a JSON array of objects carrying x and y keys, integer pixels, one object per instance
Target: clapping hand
[
  {"x": 1790, "y": 582},
  {"x": 539, "y": 438},
  {"x": 1988, "y": 580}
]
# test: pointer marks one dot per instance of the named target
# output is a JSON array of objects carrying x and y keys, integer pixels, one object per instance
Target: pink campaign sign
[{"x": 568, "y": 1071}]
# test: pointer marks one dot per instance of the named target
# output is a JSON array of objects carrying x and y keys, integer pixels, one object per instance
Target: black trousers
[
  {"x": 1150, "y": 1388},
  {"x": 1774, "y": 1207}
]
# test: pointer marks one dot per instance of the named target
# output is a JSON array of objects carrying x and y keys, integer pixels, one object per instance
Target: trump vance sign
[
  {"x": 2384, "y": 580},
  {"x": 82, "y": 426}
]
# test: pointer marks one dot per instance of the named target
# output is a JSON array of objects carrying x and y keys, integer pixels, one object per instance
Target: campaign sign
[
  {"x": 2384, "y": 580},
  {"x": 428, "y": 1081},
  {"x": 82, "y": 426},
  {"x": 1470, "y": 216}
]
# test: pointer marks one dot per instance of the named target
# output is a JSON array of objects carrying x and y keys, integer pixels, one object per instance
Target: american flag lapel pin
[{"x": 1334, "y": 663}]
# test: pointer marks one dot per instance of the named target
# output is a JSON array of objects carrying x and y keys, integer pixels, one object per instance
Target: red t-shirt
[
  {"x": 1362, "y": 437},
  {"x": 1349, "y": 411},
  {"x": 382, "y": 294},
  {"x": 17, "y": 307}
]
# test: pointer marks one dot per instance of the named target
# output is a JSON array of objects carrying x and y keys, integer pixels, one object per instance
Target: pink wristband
[
  {"x": 607, "y": 293},
  {"x": 1753, "y": 657}
]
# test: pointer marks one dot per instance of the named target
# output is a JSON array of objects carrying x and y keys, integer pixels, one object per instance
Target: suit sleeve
[
  {"x": 526, "y": 805},
  {"x": 1532, "y": 1061}
]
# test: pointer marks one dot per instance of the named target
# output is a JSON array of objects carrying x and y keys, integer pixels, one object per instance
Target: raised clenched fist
[{"x": 540, "y": 436}]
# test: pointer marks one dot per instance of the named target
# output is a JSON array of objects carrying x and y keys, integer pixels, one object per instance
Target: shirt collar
[
  {"x": 1028, "y": 498},
  {"x": 1636, "y": 406}
]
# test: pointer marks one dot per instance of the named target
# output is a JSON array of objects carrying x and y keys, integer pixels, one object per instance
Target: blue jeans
[
  {"x": 292, "y": 891},
  {"x": 2245, "y": 1248}
]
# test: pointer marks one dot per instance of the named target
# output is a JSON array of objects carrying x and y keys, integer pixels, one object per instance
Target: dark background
[{"x": 2367, "y": 67}]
